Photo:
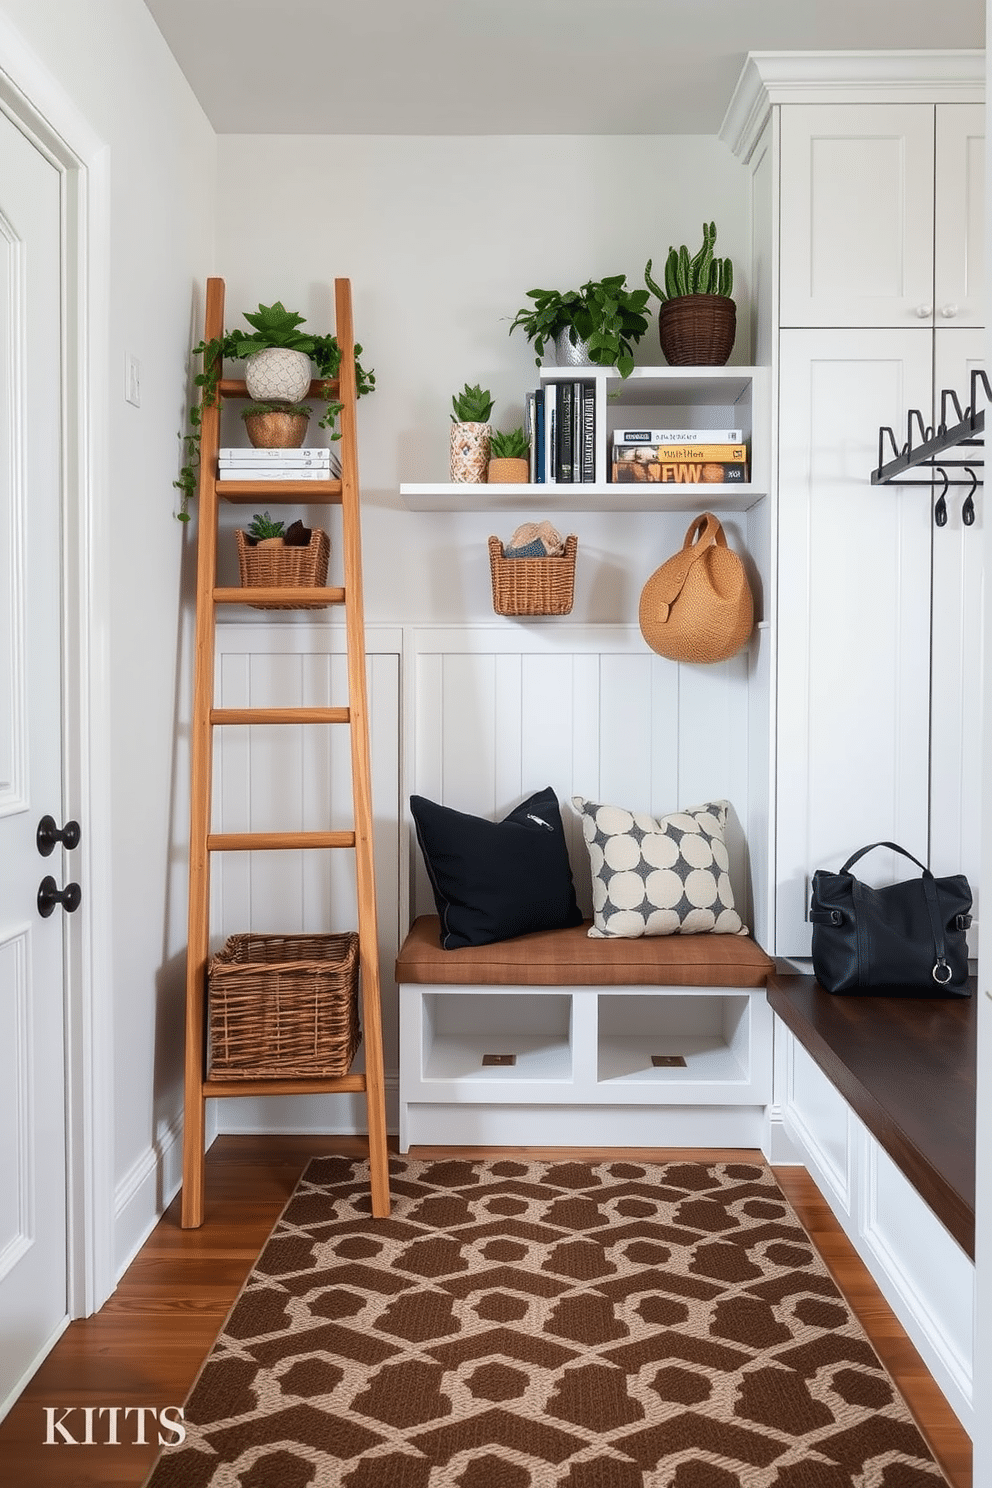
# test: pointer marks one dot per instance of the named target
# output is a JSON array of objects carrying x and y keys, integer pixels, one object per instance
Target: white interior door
[{"x": 33, "y": 1267}]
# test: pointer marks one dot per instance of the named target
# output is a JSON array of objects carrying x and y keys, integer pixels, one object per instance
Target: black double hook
[{"x": 968, "y": 505}]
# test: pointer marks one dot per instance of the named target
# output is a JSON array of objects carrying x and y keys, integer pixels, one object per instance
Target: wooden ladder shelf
[{"x": 206, "y": 717}]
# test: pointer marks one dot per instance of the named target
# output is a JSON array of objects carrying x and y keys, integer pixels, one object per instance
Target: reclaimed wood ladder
[{"x": 204, "y": 842}]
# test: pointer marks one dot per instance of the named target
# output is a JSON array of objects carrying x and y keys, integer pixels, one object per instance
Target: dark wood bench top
[
  {"x": 906, "y": 1065},
  {"x": 569, "y": 958}
]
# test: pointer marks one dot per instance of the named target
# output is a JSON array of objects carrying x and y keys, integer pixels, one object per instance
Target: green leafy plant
[
  {"x": 272, "y": 325},
  {"x": 299, "y": 410},
  {"x": 603, "y": 313},
  {"x": 512, "y": 445},
  {"x": 701, "y": 274},
  {"x": 471, "y": 406},
  {"x": 262, "y": 527}
]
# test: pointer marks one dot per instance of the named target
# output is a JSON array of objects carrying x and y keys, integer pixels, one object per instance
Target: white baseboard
[{"x": 143, "y": 1194}]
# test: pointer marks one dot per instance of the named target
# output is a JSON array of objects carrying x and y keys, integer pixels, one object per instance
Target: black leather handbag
[{"x": 903, "y": 940}]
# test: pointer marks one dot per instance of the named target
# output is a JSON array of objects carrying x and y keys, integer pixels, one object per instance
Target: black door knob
[
  {"x": 49, "y": 895},
  {"x": 48, "y": 835}
]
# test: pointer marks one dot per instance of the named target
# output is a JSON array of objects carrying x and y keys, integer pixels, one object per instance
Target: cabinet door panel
[
  {"x": 959, "y": 225},
  {"x": 857, "y": 214},
  {"x": 956, "y": 763},
  {"x": 854, "y": 615}
]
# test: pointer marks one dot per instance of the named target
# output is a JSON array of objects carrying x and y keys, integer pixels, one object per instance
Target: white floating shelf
[{"x": 634, "y": 497}]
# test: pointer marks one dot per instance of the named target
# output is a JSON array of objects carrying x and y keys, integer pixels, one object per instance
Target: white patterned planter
[
  {"x": 469, "y": 462},
  {"x": 276, "y": 374}
]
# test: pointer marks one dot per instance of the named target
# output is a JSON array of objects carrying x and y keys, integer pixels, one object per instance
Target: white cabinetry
[
  {"x": 582, "y": 1069},
  {"x": 854, "y": 606},
  {"x": 881, "y": 214},
  {"x": 871, "y": 197}
]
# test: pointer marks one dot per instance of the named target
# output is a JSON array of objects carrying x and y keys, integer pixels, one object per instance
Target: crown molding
[{"x": 768, "y": 78}]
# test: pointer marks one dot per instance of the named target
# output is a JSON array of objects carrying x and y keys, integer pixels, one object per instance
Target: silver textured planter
[
  {"x": 276, "y": 374},
  {"x": 569, "y": 353}
]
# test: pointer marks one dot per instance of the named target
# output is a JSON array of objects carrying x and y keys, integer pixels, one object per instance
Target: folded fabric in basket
[
  {"x": 529, "y": 550},
  {"x": 534, "y": 540}
]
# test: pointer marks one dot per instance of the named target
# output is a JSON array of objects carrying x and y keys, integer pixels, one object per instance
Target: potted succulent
[
  {"x": 277, "y": 425},
  {"x": 697, "y": 322},
  {"x": 470, "y": 435},
  {"x": 274, "y": 329},
  {"x": 598, "y": 324},
  {"x": 509, "y": 462}
]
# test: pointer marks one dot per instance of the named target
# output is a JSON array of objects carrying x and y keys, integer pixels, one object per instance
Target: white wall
[
  {"x": 441, "y": 238},
  {"x": 110, "y": 59}
]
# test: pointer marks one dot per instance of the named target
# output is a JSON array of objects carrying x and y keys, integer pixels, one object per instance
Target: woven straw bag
[{"x": 698, "y": 605}]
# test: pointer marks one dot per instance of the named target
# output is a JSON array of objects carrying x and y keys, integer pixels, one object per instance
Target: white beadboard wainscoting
[
  {"x": 477, "y": 717},
  {"x": 495, "y": 712}
]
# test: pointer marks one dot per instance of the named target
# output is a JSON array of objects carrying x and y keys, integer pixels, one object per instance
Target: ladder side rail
[
  {"x": 198, "y": 934},
  {"x": 368, "y": 935}
]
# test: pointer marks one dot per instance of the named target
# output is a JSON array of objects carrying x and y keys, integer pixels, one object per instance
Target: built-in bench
[
  {"x": 906, "y": 1067},
  {"x": 563, "y": 1039},
  {"x": 876, "y": 1096}
]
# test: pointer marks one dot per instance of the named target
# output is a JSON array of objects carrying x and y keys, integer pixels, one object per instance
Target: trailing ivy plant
[{"x": 272, "y": 325}]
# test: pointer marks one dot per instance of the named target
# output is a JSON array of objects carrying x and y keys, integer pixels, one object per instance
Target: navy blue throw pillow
[{"x": 495, "y": 880}]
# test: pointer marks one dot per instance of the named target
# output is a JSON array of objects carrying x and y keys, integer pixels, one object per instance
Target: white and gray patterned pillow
[{"x": 658, "y": 876}]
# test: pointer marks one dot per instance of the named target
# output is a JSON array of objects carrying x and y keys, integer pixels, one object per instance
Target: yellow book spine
[{"x": 683, "y": 454}]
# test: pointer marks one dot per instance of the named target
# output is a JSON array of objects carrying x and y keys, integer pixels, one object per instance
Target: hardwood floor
[{"x": 147, "y": 1343}]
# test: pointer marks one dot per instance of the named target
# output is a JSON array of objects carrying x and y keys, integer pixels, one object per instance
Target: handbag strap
[
  {"x": 670, "y": 578},
  {"x": 941, "y": 971},
  {"x": 871, "y": 848},
  {"x": 703, "y": 533}
]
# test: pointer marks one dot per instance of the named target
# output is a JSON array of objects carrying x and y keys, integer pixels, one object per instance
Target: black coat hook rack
[{"x": 932, "y": 447}]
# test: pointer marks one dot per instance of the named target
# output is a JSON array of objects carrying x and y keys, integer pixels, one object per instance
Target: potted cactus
[
  {"x": 509, "y": 463},
  {"x": 697, "y": 322},
  {"x": 470, "y": 435}
]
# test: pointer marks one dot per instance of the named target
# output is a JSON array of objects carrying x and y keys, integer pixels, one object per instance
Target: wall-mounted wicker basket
[
  {"x": 533, "y": 586},
  {"x": 283, "y": 1006},
  {"x": 281, "y": 567}
]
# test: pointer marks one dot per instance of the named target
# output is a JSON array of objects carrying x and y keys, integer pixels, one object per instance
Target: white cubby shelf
[
  {"x": 655, "y": 397},
  {"x": 584, "y": 1049}
]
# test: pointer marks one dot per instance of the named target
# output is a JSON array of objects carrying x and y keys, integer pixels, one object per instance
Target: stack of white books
[{"x": 317, "y": 463}]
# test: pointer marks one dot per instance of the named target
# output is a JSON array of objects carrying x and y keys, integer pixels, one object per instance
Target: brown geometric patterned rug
[{"x": 546, "y": 1324}]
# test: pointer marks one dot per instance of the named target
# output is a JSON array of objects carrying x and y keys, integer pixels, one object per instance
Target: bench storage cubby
[{"x": 559, "y": 1039}]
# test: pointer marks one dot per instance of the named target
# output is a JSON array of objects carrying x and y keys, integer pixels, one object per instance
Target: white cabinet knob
[
  {"x": 948, "y": 311},
  {"x": 924, "y": 311}
]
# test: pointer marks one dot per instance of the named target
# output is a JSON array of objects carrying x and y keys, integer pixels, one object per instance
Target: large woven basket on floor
[
  {"x": 283, "y": 1005},
  {"x": 532, "y": 586},
  {"x": 276, "y": 567}
]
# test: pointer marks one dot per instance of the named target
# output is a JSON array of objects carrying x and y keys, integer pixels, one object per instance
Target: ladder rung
[
  {"x": 276, "y": 841},
  {"x": 283, "y": 1086},
  {"x": 278, "y": 492},
  {"x": 298, "y": 598},
  {"x": 235, "y": 387},
  {"x": 280, "y": 715}
]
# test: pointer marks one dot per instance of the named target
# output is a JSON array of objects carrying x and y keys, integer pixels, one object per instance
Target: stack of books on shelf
[
  {"x": 560, "y": 422},
  {"x": 709, "y": 456},
  {"x": 316, "y": 464}
]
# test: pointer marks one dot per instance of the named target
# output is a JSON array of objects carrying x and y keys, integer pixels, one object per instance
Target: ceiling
[{"x": 514, "y": 66}]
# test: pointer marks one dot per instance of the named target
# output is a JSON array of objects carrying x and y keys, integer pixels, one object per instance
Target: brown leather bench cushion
[{"x": 568, "y": 958}]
